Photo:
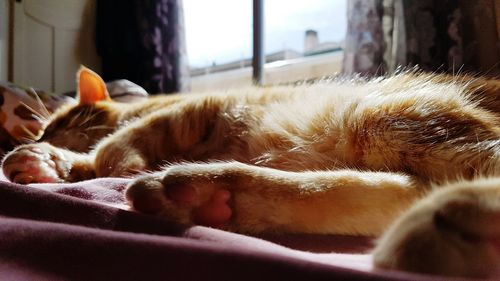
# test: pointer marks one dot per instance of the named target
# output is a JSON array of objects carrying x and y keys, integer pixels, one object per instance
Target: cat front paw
[
  {"x": 36, "y": 163},
  {"x": 182, "y": 195},
  {"x": 454, "y": 231}
]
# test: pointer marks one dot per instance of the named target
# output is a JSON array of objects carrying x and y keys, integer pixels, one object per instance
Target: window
[
  {"x": 218, "y": 31},
  {"x": 303, "y": 39}
]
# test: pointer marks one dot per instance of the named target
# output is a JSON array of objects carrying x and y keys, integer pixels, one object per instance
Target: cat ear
[{"x": 91, "y": 87}]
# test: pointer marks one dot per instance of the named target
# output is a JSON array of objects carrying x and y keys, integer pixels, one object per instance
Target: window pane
[
  {"x": 219, "y": 40},
  {"x": 287, "y": 22},
  {"x": 301, "y": 31},
  {"x": 218, "y": 31}
]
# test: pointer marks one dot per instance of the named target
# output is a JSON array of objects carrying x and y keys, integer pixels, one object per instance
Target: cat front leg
[
  {"x": 252, "y": 199},
  {"x": 455, "y": 231},
  {"x": 43, "y": 163}
]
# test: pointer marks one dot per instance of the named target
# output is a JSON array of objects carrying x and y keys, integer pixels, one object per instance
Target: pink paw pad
[
  {"x": 215, "y": 212},
  {"x": 32, "y": 164}
]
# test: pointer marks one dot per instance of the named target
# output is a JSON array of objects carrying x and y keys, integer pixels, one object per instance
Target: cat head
[{"x": 78, "y": 126}]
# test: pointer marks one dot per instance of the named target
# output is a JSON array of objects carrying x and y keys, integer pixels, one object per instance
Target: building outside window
[{"x": 303, "y": 39}]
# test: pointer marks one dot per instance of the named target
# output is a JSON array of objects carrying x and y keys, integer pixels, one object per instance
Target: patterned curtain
[
  {"x": 437, "y": 35},
  {"x": 481, "y": 35},
  {"x": 143, "y": 41}
]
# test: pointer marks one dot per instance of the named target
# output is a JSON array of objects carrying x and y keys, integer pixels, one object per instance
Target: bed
[{"x": 84, "y": 231}]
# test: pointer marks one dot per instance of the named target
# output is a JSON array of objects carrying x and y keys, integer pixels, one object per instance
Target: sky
[{"x": 220, "y": 31}]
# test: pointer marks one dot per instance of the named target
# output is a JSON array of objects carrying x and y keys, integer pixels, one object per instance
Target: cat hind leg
[{"x": 252, "y": 199}]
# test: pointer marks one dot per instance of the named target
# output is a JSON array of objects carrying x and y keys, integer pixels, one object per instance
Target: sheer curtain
[
  {"x": 364, "y": 42},
  {"x": 143, "y": 41}
]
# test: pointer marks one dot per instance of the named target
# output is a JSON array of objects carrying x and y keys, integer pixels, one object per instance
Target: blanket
[{"x": 84, "y": 231}]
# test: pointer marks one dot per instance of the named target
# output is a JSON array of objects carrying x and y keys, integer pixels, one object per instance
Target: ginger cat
[{"x": 343, "y": 157}]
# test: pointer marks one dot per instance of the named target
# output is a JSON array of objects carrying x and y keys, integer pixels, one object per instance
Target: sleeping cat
[{"x": 343, "y": 157}]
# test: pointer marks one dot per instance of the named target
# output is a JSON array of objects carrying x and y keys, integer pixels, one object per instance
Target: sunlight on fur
[{"x": 345, "y": 156}]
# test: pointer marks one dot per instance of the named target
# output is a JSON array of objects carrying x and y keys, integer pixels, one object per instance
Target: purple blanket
[{"x": 89, "y": 235}]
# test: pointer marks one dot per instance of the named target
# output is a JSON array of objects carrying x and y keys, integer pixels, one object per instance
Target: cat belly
[{"x": 436, "y": 138}]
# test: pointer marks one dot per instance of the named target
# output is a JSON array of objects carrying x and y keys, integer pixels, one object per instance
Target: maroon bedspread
[{"x": 47, "y": 235}]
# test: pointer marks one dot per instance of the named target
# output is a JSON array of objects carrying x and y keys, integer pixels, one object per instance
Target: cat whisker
[
  {"x": 30, "y": 135},
  {"x": 39, "y": 119},
  {"x": 99, "y": 127},
  {"x": 45, "y": 111},
  {"x": 34, "y": 112},
  {"x": 459, "y": 72},
  {"x": 88, "y": 118},
  {"x": 27, "y": 131},
  {"x": 26, "y": 140},
  {"x": 73, "y": 119}
]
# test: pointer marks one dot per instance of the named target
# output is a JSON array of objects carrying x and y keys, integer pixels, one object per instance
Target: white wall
[{"x": 4, "y": 35}]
